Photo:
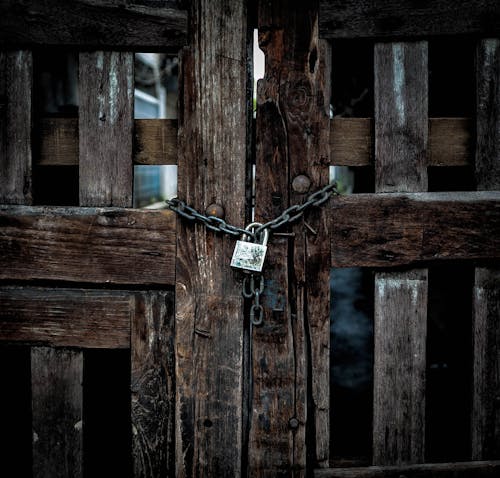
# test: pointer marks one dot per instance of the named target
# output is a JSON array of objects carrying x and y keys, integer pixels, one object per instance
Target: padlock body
[{"x": 249, "y": 256}]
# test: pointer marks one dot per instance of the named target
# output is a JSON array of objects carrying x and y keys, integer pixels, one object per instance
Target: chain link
[
  {"x": 253, "y": 290},
  {"x": 288, "y": 216}
]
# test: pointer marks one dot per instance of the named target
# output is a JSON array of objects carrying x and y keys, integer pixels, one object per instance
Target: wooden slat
[
  {"x": 93, "y": 23},
  {"x": 351, "y": 142},
  {"x": 209, "y": 318},
  {"x": 386, "y": 230},
  {"x": 56, "y": 384},
  {"x": 292, "y": 138},
  {"x": 485, "y": 426},
  {"x": 155, "y": 141},
  {"x": 407, "y": 18},
  {"x": 152, "y": 385},
  {"x": 16, "y": 79},
  {"x": 476, "y": 469},
  {"x": 400, "y": 326},
  {"x": 113, "y": 246},
  {"x": 65, "y": 317},
  {"x": 105, "y": 128}
]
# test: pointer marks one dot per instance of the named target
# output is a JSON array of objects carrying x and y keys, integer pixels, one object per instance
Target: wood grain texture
[
  {"x": 401, "y": 123},
  {"x": 400, "y": 325},
  {"x": 290, "y": 402},
  {"x": 399, "y": 368},
  {"x": 106, "y": 114},
  {"x": 93, "y": 23},
  {"x": 476, "y": 469},
  {"x": 113, "y": 246},
  {"x": 155, "y": 142},
  {"x": 66, "y": 317},
  {"x": 485, "y": 422},
  {"x": 212, "y": 168},
  {"x": 385, "y": 230},
  {"x": 407, "y": 18},
  {"x": 16, "y": 82},
  {"x": 152, "y": 385},
  {"x": 351, "y": 142},
  {"x": 488, "y": 115},
  {"x": 56, "y": 383}
]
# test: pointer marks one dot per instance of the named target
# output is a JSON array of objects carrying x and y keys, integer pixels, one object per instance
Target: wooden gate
[{"x": 207, "y": 393}]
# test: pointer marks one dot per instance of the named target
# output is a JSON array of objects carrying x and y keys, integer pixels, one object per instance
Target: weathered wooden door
[{"x": 210, "y": 394}]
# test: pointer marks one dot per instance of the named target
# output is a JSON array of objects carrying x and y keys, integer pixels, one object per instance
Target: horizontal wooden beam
[
  {"x": 475, "y": 469},
  {"x": 406, "y": 19},
  {"x": 155, "y": 142},
  {"x": 93, "y": 23},
  {"x": 66, "y": 317},
  {"x": 384, "y": 230},
  {"x": 351, "y": 141},
  {"x": 87, "y": 245},
  {"x": 450, "y": 141}
]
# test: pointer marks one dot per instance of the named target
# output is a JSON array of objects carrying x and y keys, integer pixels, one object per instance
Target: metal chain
[
  {"x": 251, "y": 291},
  {"x": 286, "y": 217}
]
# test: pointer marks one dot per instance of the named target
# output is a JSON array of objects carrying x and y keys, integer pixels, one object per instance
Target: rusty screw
[
  {"x": 215, "y": 210},
  {"x": 301, "y": 184}
]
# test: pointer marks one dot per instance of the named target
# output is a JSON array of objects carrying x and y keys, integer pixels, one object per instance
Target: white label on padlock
[{"x": 249, "y": 256}]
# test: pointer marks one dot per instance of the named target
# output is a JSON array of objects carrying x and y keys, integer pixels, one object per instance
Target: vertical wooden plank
[
  {"x": 401, "y": 110},
  {"x": 209, "y": 318},
  {"x": 152, "y": 385},
  {"x": 57, "y": 413},
  {"x": 485, "y": 423},
  {"x": 290, "y": 402},
  {"x": 16, "y": 81},
  {"x": 106, "y": 115}
]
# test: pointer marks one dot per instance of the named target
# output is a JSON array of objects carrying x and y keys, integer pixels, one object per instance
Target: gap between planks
[{"x": 351, "y": 142}]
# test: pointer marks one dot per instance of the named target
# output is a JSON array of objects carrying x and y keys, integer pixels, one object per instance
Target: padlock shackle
[{"x": 255, "y": 225}]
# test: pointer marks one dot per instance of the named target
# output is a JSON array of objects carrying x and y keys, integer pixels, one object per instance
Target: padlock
[{"x": 250, "y": 256}]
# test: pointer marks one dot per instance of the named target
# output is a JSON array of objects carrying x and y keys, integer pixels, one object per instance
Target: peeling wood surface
[
  {"x": 66, "y": 317},
  {"x": 212, "y": 168},
  {"x": 407, "y": 19},
  {"x": 16, "y": 81},
  {"x": 56, "y": 383},
  {"x": 400, "y": 324},
  {"x": 92, "y": 245},
  {"x": 106, "y": 115},
  {"x": 385, "y": 230},
  {"x": 485, "y": 426},
  {"x": 476, "y": 469},
  {"x": 152, "y": 384},
  {"x": 93, "y": 23}
]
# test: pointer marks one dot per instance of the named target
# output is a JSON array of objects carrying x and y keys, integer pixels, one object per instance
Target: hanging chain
[
  {"x": 251, "y": 291},
  {"x": 253, "y": 284},
  {"x": 288, "y": 216}
]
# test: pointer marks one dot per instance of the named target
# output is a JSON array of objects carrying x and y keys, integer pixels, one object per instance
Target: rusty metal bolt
[
  {"x": 301, "y": 184},
  {"x": 215, "y": 210},
  {"x": 293, "y": 423}
]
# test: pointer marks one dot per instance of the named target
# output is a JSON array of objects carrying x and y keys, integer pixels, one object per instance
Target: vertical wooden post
[
  {"x": 212, "y": 167},
  {"x": 105, "y": 128},
  {"x": 56, "y": 384},
  {"x": 152, "y": 385},
  {"x": 16, "y": 81},
  {"x": 290, "y": 401},
  {"x": 486, "y": 307},
  {"x": 401, "y": 94}
]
